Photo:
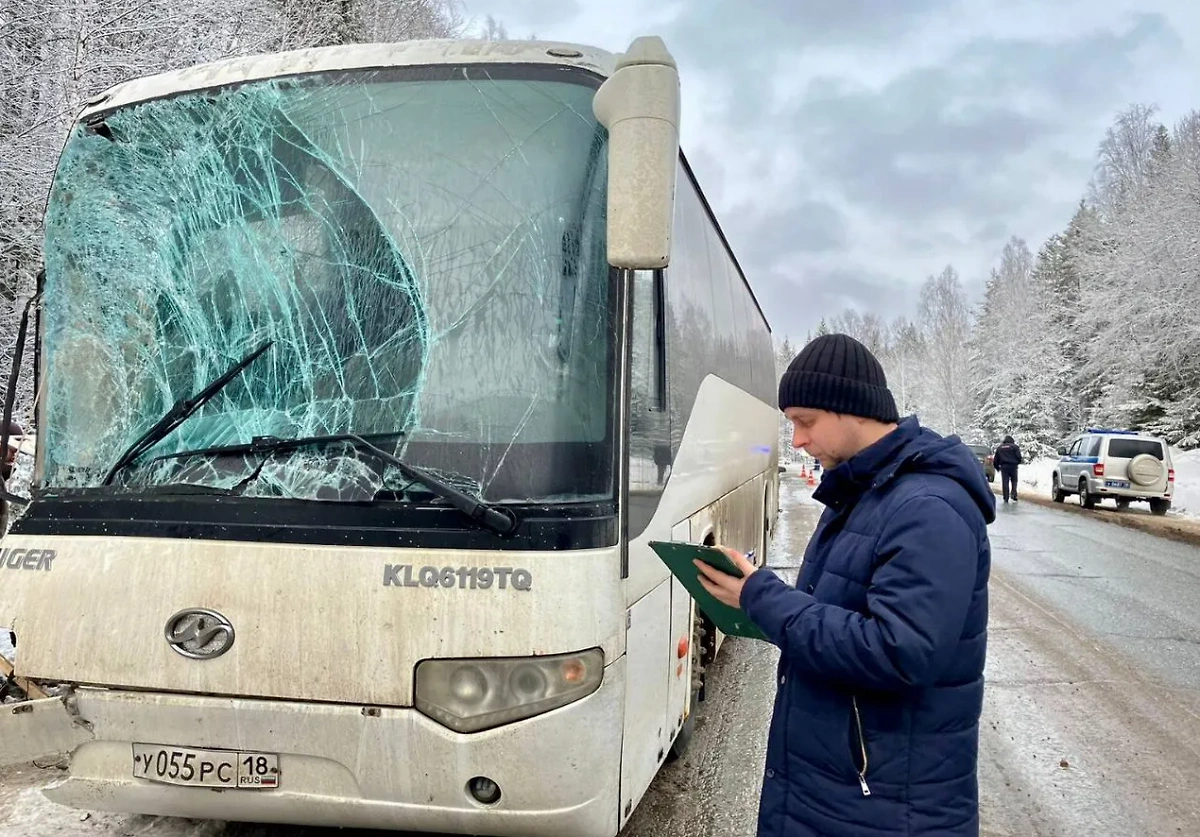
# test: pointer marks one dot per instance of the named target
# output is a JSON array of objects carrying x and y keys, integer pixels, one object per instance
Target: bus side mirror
[{"x": 639, "y": 105}]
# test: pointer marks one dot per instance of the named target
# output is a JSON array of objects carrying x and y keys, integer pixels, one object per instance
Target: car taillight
[
  {"x": 1098, "y": 469},
  {"x": 1171, "y": 475}
]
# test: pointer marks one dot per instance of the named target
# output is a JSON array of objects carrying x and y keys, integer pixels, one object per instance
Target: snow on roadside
[
  {"x": 1187, "y": 482},
  {"x": 30, "y": 813},
  {"x": 1034, "y": 475}
]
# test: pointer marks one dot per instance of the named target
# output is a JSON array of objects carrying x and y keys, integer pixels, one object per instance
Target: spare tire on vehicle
[{"x": 1145, "y": 469}]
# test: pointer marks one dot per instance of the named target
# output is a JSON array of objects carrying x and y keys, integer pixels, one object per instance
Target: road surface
[{"x": 1091, "y": 722}]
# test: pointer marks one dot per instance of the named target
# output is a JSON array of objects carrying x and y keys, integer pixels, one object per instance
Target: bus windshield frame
[{"x": 424, "y": 247}]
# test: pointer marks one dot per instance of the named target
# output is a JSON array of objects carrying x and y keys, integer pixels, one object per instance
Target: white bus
[{"x": 366, "y": 374}]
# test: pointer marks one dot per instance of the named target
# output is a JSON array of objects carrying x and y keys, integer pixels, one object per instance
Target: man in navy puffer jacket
[{"x": 880, "y": 685}]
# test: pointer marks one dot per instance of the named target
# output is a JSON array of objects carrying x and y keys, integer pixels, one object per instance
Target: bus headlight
[{"x": 474, "y": 695}]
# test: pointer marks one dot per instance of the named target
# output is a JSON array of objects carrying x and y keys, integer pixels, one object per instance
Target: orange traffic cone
[{"x": 812, "y": 480}]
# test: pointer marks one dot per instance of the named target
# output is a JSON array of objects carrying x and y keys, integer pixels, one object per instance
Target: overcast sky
[{"x": 851, "y": 148}]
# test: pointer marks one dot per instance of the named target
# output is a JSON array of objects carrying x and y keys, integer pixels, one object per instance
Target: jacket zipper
[{"x": 862, "y": 746}]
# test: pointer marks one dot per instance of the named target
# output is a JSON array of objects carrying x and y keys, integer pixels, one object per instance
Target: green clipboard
[{"x": 678, "y": 556}]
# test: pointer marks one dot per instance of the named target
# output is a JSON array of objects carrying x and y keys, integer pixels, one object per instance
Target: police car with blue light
[{"x": 1124, "y": 465}]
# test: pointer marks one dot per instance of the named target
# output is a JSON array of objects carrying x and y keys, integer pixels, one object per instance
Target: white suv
[{"x": 1122, "y": 464}]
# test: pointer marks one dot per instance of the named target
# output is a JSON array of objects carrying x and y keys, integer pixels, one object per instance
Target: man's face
[{"x": 828, "y": 437}]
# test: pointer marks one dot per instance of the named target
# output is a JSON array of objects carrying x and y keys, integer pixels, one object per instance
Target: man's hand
[{"x": 726, "y": 588}]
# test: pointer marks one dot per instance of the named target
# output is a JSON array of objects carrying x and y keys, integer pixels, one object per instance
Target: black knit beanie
[{"x": 837, "y": 373}]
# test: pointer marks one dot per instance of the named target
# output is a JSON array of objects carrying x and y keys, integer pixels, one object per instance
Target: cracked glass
[{"x": 424, "y": 250}]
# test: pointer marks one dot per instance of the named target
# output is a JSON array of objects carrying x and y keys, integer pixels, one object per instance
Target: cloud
[
  {"x": 852, "y": 148},
  {"x": 796, "y": 299},
  {"x": 965, "y": 136},
  {"x": 732, "y": 33},
  {"x": 939, "y": 163},
  {"x": 609, "y": 25},
  {"x": 811, "y": 226},
  {"x": 541, "y": 15}
]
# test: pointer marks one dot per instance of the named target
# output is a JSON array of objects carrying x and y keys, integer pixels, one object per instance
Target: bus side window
[
  {"x": 648, "y": 379},
  {"x": 649, "y": 419}
]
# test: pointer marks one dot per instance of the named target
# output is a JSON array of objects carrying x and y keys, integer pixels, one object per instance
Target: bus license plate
[{"x": 205, "y": 768}]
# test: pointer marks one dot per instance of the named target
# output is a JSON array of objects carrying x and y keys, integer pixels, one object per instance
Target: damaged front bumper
[
  {"x": 38, "y": 729},
  {"x": 353, "y": 766}
]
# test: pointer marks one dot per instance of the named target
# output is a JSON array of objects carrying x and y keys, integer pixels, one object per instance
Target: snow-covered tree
[
  {"x": 493, "y": 30},
  {"x": 1139, "y": 272},
  {"x": 904, "y": 363},
  {"x": 334, "y": 22},
  {"x": 868, "y": 329},
  {"x": 785, "y": 352},
  {"x": 1014, "y": 365},
  {"x": 1125, "y": 157},
  {"x": 56, "y": 54},
  {"x": 945, "y": 321}
]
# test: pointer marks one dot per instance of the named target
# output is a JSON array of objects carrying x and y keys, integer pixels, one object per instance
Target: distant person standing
[{"x": 1007, "y": 459}]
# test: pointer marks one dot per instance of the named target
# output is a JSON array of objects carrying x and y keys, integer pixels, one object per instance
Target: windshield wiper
[
  {"x": 498, "y": 519},
  {"x": 494, "y": 517},
  {"x": 180, "y": 411}
]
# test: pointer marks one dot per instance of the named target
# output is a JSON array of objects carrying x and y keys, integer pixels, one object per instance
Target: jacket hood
[
  {"x": 910, "y": 448},
  {"x": 949, "y": 457}
]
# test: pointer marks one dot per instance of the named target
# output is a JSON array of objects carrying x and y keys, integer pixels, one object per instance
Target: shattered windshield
[{"x": 423, "y": 249}]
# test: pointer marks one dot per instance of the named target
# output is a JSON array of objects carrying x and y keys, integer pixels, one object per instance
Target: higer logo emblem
[{"x": 199, "y": 634}]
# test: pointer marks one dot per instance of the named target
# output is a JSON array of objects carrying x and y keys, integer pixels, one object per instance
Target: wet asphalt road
[
  {"x": 1091, "y": 723},
  {"x": 1092, "y": 713},
  {"x": 1139, "y": 593}
]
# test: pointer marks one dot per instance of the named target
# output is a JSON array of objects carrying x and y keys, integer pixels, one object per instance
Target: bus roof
[{"x": 352, "y": 57}]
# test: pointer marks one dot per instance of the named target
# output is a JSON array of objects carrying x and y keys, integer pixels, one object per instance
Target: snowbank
[
  {"x": 1034, "y": 476},
  {"x": 1187, "y": 482}
]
